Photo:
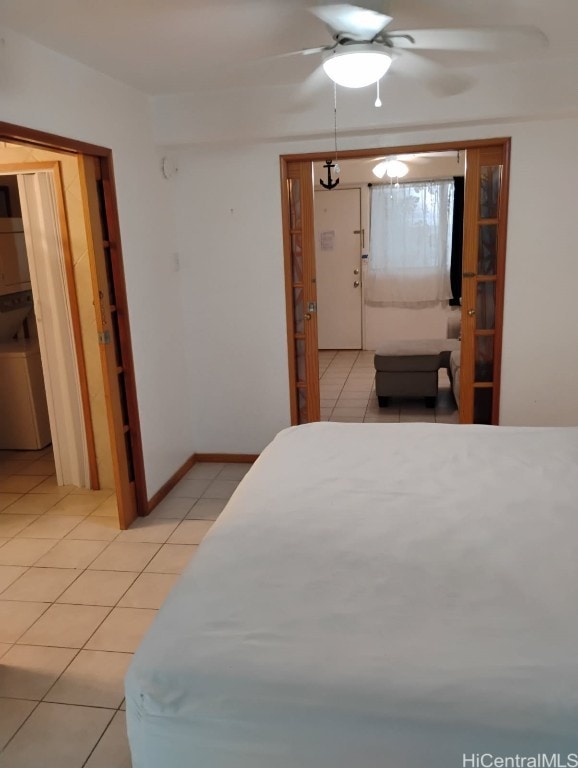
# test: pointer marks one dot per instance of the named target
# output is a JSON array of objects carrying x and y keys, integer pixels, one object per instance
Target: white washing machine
[{"x": 24, "y": 421}]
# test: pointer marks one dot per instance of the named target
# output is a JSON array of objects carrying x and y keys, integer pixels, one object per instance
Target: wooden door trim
[
  {"x": 111, "y": 206},
  {"x": 501, "y": 279},
  {"x": 310, "y": 295},
  {"x": 289, "y": 313},
  {"x": 21, "y": 135},
  {"x": 296, "y": 171},
  {"x": 470, "y": 243},
  {"x": 503, "y": 142},
  {"x": 226, "y": 458},
  {"x": 442, "y": 146},
  {"x": 76, "y": 329},
  {"x": 32, "y": 137}
]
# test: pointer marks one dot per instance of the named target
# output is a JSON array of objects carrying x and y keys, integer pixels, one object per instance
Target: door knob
[
  {"x": 356, "y": 283},
  {"x": 307, "y": 315},
  {"x": 356, "y": 271},
  {"x": 471, "y": 312}
]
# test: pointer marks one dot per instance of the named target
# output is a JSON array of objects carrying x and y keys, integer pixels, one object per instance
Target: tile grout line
[
  {"x": 22, "y": 724},
  {"x": 78, "y": 650},
  {"x": 99, "y": 738}
]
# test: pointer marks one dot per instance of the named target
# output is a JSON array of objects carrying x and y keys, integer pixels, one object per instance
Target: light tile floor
[
  {"x": 347, "y": 390},
  {"x": 76, "y": 597}
]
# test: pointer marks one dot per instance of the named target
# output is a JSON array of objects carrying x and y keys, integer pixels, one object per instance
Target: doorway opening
[
  {"x": 94, "y": 305},
  {"x": 481, "y": 276},
  {"x": 39, "y": 362},
  {"x": 350, "y": 326},
  {"x": 24, "y": 423}
]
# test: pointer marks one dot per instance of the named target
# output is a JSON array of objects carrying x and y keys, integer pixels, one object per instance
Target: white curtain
[{"x": 410, "y": 244}]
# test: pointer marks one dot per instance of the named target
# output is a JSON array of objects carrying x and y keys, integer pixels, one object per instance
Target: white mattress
[{"x": 374, "y": 596}]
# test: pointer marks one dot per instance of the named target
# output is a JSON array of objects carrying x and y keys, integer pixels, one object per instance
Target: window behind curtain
[{"x": 410, "y": 244}]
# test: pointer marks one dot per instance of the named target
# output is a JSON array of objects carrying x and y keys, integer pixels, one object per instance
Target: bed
[{"x": 374, "y": 596}]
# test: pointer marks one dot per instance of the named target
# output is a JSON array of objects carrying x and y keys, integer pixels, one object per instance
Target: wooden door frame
[
  {"x": 499, "y": 155},
  {"x": 16, "y": 134},
  {"x": 304, "y": 394},
  {"x": 309, "y": 250}
]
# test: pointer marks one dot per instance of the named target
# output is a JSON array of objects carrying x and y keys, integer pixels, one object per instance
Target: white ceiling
[{"x": 172, "y": 46}]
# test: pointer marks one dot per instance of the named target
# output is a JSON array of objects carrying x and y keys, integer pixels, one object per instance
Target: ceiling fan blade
[
  {"x": 310, "y": 51},
  {"x": 470, "y": 39},
  {"x": 304, "y": 52},
  {"x": 315, "y": 87},
  {"x": 436, "y": 78},
  {"x": 351, "y": 19}
]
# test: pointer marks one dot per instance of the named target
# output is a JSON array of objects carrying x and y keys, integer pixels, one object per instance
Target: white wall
[
  {"x": 228, "y": 216},
  {"x": 540, "y": 354},
  {"x": 391, "y": 323},
  {"x": 229, "y": 227},
  {"x": 43, "y": 90}
]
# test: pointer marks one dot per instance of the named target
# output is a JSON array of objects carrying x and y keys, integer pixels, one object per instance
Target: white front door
[{"x": 338, "y": 261}]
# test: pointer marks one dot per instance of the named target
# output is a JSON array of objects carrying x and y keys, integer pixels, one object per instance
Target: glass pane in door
[
  {"x": 486, "y": 306},
  {"x": 484, "y": 358},
  {"x": 295, "y": 203},
  {"x": 490, "y": 184},
  {"x": 299, "y": 321},
  {"x": 487, "y": 249},
  {"x": 302, "y": 406},
  {"x": 297, "y": 257},
  {"x": 300, "y": 364}
]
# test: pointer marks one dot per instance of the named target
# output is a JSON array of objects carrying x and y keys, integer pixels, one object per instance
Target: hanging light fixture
[
  {"x": 357, "y": 65},
  {"x": 394, "y": 169}
]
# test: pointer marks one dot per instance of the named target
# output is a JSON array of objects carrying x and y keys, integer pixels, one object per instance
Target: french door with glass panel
[
  {"x": 485, "y": 213},
  {"x": 300, "y": 289}
]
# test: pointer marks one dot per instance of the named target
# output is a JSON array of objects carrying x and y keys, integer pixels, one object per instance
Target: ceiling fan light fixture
[
  {"x": 394, "y": 169},
  {"x": 357, "y": 65}
]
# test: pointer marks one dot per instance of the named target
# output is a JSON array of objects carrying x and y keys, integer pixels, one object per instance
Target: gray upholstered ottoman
[{"x": 410, "y": 368}]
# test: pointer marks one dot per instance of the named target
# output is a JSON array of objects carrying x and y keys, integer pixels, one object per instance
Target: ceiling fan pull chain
[
  {"x": 378, "y": 100},
  {"x": 332, "y": 183},
  {"x": 337, "y": 168}
]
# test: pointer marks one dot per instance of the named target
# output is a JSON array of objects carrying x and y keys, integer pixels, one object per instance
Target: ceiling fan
[{"x": 363, "y": 47}]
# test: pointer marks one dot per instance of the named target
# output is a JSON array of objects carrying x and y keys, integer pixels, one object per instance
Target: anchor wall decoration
[{"x": 330, "y": 183}]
